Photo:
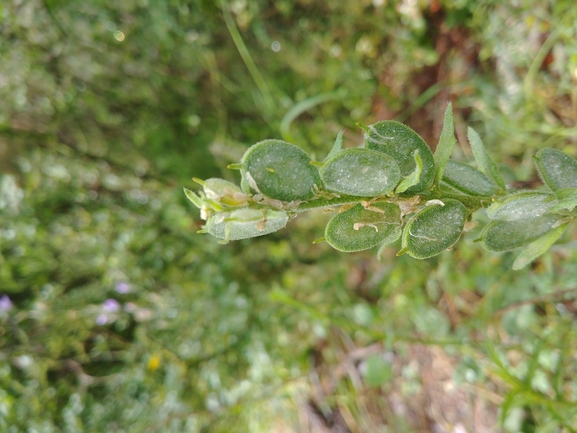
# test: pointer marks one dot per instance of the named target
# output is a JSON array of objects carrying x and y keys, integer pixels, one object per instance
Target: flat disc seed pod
[
  {"x": 280, "y": 170},
  {"x": 502, "y": 236},
  {"x": 359, "y": 229},
  {"x": 468, "y": 180},
  {"x": 361, "y": 173},
  {"x": 245, "y": 223},
  {"x": 557, "y": 169},
  {"x": 400, "y": 142},
  {"x": 434, "y": 229}
]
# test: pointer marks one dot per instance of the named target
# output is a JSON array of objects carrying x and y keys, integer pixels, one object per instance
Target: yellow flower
[{"x": 153, "y": 363}]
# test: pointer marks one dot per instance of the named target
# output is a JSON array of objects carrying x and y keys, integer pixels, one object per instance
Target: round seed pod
[
  {"x": 557, "y": 169},
  {"x": 280, "y": 170},
  {"x": 400, "y": 142},
  {"x": 358, "y": 229},
  {"x": 360, "y": 172},
  {"x": 434, "y": 229}
]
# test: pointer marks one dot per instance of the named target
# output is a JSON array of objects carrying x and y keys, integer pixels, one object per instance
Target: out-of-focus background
[{"x": 115, "y": 316}]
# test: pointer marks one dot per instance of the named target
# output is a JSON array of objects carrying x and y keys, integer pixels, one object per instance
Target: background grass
[{"x": 116, "y": 316}]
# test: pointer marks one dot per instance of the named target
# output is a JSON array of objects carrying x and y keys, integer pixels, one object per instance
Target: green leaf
[
  {"x": 196, "y": 200},
  {"x": 447, "y": 141},
  {"x": 557, "y": 169},
  {"x": 378, "y": 371},
  {"x": 522, "y": 205},
  {"x": 413, "y": 178},
  {"x": 359, "y": 229},
  {"x": 245, "y": 223},
  {"x": 360, "y": 172},
  {"x": 533, "y": 366},
  {"x": 400, "y": 142},
  {"x": 485, "y": 163},
  {"x": 326, "y": 203},
  {"x": 337, "y": 146},
  {"x": 567, "y": 199},
  {"x": 502, "y": 236},
  {"x": 468, "y": 180},
  {"x": 434, "y": 229},
  {"x": 244, "y": 186},
  {"x": 538, "y": 247},
  {"x": 280, "y": 170}
]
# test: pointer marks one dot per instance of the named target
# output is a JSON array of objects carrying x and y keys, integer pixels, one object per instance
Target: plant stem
[{"x": 473, "y": 203}]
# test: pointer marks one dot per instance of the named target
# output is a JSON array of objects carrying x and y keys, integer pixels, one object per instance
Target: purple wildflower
[
  {"x": 101, "y": 320},
  {"x": 122, "y": 287},
  {"x": 111, "y": 305},
  {"x": 5, "y": 303}
]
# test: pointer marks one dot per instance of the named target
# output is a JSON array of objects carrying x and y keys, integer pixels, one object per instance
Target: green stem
[
  {"x": 325, "y": 203},
  {"x": 246, "y": 57},
  {"x": 471, "y": 202},
  {"x": 474, "y": 203},
  {"x": 303, "y": 106}
]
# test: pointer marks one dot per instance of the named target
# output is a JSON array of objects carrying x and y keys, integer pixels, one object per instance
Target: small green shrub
[{"x": 393, "y": 187}]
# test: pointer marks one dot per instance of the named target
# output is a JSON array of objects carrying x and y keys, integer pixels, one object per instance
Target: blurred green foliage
[{"x": 116, "y": 316}]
